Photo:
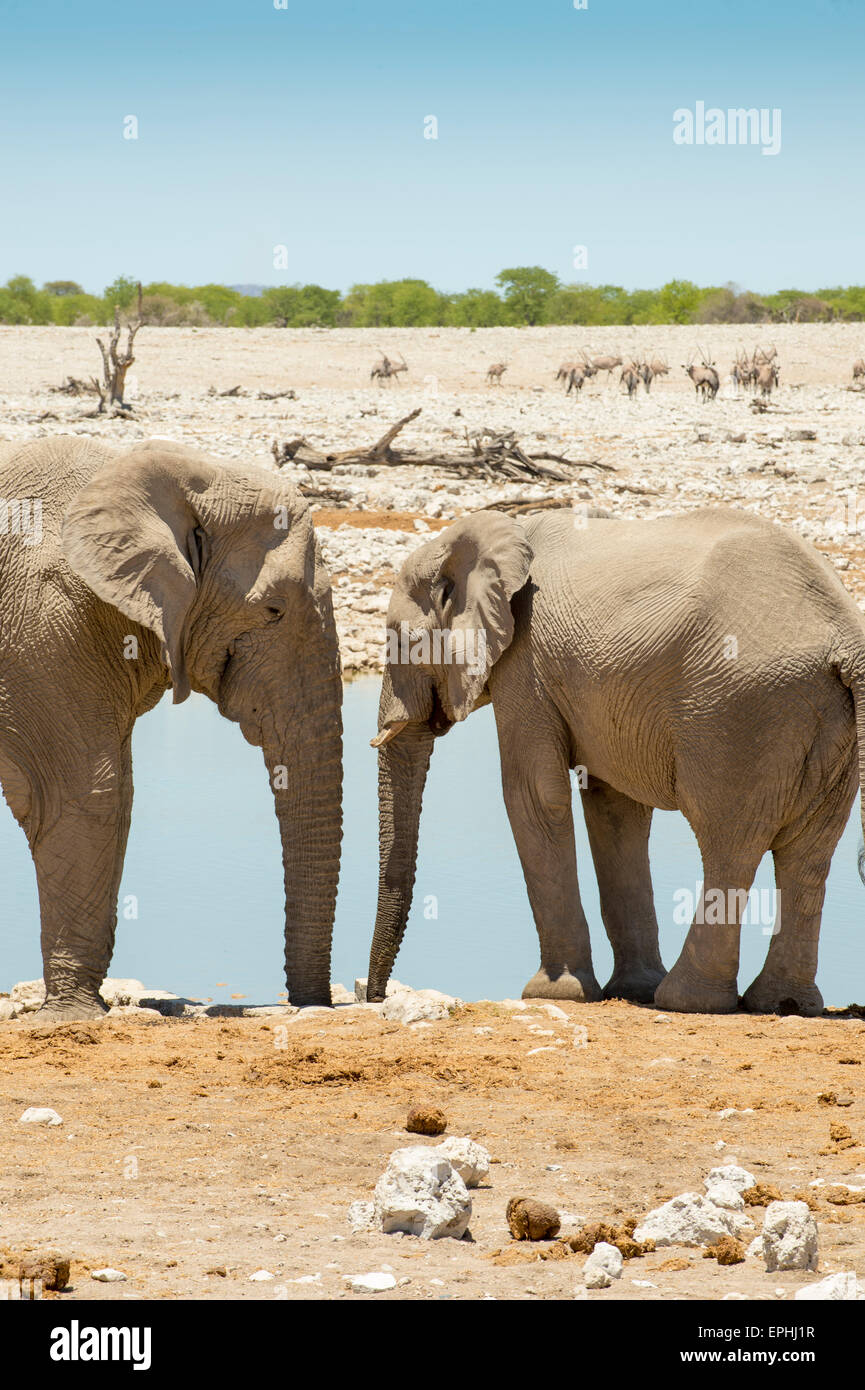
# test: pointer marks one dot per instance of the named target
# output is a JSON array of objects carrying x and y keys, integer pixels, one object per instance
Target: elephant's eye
[
  {"x": 274, "y": 612},
  {"x": 445, "y": 588},
  {"x": 198, "y": 547}
]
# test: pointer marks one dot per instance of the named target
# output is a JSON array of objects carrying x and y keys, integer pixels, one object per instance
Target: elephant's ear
[
  {"x": 130, "y": 534},
  {"x": 487, "y": 561}
]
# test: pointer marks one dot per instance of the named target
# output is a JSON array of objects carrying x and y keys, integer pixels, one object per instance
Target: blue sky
[{"x": 304, "y": 127}]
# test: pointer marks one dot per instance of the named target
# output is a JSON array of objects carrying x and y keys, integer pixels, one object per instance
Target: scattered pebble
[{"x": 40, "y": 1115}]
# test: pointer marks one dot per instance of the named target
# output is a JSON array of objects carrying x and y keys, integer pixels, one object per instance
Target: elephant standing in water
[
  {"x": 711, "y": 663},
  {"x": 150, "y": 568}
]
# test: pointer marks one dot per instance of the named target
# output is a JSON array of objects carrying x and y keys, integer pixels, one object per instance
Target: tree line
[{"x": 525, "y": 295}]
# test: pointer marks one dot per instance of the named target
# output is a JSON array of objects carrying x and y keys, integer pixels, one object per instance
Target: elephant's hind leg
[
  {"x": 704, "y": 978},
  {"x": 538, "y": 797},
  {"x": 618, "y": 830},
  {"x": 787, "y": 982},
  {"x": 79, "y": 860}
]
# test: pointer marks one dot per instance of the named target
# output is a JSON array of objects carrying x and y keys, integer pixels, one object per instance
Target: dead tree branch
[
  {"x": 492, "y": 455},
  {"x": 115, "y": 365}
]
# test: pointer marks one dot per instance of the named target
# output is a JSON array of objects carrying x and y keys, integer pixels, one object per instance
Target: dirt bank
[{"x": 236, "y": 1145}]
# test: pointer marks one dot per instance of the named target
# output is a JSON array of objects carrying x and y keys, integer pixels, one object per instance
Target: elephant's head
[
  {"x": 449, "y": 622},
  {"x": 222, "y": 564}
]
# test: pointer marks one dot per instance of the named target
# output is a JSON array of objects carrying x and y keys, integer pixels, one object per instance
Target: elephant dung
[
  {"x": 531, "y": 1220},
  {"x": 421, "y": 1193},
  {"x": 789, "y": 1238},
  {"x": 426, "y": 1119},
  {"x": 727, "y": 1251},
  {"x": 51, "y": 1269}
]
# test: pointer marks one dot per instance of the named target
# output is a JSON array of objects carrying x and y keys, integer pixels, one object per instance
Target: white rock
[
  {"x": 603, "y": 1266},
  {"x": 375, "y": 1282},
  {"x": 738, "y": 1177},
  {"x": 340, "y": 995},
  {"x": 725, "y": 1195},
  {"x": 361, "y": 1216},
  {"x": 260, "y": 1276},
  {"x": 108, "y": 1275},
  {"x": 789, "y": 1236},
  {"x": 28, "y": 994},
  {"x": 415, "y": 1006},
  {"x": 40, "y": 1115},
  {"x": 735, "y": 1298},
  {"x": 553, "y": 1011},
  {"x": 470, "y": 1160},
  {"x": 119, "y": 992},
  {"x": 421, "y": 1193},
  {"x": 755, "y": 1248},
  {"x": 7, "y": 1010},
  {"x": 392, "y": 987},
  {"x": 689, "y": 1219},
  {"x": 834, "y": 1288}
]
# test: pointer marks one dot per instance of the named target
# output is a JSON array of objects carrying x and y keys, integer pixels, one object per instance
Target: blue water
[{"x": 204, "y": 865}]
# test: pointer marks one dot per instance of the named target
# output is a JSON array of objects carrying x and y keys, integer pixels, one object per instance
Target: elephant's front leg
[
  {"x": 79, "y": 861},
  {"x": 537, "y": 790},
  {"x": 618, "y": 830}
]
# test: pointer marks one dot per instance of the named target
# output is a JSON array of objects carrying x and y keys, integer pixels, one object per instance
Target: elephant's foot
[
  {"x": 771, "y": 994},
  {"x": 692, "y": 994},
  {"x": 581, "y": 986},
  {"x": 77, "y": 1008},
  {"x": 636, "y": 983}
]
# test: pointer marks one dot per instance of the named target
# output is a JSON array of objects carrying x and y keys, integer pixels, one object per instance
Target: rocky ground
[
  {"x": 801, "y": 462},
  {"x": 219, "y": 1157},
  {"x": 199, "y": 1150}
]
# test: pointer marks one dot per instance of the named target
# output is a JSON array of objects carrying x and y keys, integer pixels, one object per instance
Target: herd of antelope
[{"x": 759, "y": 372}]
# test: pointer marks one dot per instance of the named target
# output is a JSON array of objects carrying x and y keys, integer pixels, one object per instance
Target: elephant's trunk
[
  {"x": 402, "y": 770},
  {"x": 305, "y": 766}
]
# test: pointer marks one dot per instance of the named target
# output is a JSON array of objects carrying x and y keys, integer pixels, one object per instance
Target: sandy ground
[
  {"x": 214, "y": 1148},
  {"x": 193, "y": 1146}
]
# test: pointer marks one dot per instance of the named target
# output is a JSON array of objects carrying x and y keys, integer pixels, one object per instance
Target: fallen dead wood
[
  {"x": 232, "y": 391},
  {"x": 73, "y": 386},
  {"x": 488, "y": 454},
  {"x": 520, "y": 506},
  {"x": 276, "y": 396}
]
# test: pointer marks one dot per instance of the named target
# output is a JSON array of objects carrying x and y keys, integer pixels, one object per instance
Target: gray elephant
[
  {"x": 711, "y": 663},
  {"x": 153, "y": 568}
]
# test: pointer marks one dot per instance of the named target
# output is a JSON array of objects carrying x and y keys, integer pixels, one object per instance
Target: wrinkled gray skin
[
  {"x": 710, "y": 663},
  {"x": 214, "y": 571}
]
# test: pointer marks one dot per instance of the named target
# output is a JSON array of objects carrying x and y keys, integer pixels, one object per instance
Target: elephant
[
  {"x": 159, "y": 567},
  {"x": 709, "y": 662}
]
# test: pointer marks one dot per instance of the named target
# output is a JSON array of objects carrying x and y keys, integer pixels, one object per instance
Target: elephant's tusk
[{"x": 387, "y": 734}]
